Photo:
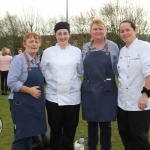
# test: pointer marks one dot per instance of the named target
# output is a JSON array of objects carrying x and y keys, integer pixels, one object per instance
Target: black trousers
[
  {"x": 63, "y": 121},
  {"x": 105, "y": 135},
  {"x": 4, "y": 87},
  {"x": 133, "y": 129}
]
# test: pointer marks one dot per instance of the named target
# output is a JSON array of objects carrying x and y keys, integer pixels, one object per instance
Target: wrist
[
  {"x": 28, "y": 90},
  {"x": 145, "y": 95},
  {"x": 146, "y": 92}
]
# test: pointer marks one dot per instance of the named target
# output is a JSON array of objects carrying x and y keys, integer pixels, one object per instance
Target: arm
[
  {"x": 16, "y": 71},
  {"x": 145, "y": 61},
  {"x": 116, "y": 60},
  {"x": 84, "y": 51},
  {"x": 43, "y": 63},
  {"x": 143, "y": 102},
  {"x": 80, "y": 66},
  {"x": 33, "y": 91}
]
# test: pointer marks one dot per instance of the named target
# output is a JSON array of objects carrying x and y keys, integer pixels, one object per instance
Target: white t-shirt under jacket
[
  {"x": 133, "y": 66},
  {"x": 61, "y": 69}
]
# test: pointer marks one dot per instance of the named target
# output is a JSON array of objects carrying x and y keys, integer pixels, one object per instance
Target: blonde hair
[
  {"x": 30, "y": 35},
  {"x": 5, "y": 51},
  {"x": 98, "y": 22}
]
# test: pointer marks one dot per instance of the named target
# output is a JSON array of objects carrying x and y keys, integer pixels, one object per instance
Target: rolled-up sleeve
[
  {"x": 15, "y": 71},
  {"x": 145, "y": 58}
]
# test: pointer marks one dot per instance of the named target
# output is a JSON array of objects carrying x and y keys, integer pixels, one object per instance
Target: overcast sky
[{"x": 50, "y": 8}]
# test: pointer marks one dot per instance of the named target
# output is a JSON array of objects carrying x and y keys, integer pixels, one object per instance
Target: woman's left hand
[{"x": 143, "y": 102}]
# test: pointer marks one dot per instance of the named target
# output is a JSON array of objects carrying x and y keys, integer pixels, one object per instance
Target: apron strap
[
  {"x": 107, "y": 51},
  {"x": 27, "y": 60}
]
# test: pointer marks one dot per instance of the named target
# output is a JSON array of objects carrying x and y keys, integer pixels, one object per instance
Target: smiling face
[
  {"x": 32, "y": 45},
  {"x": 127, "y": 33},
  {"x": 62, "y": 37},
  {"x": 97, "y": 31}
]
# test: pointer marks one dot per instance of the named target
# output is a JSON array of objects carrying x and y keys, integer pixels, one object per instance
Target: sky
[{"x": 48, "y": 8}]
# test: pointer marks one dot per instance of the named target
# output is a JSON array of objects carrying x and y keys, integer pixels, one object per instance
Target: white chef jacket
[
  {"x": 133, "y": 66},
  {"x": 61, "y": 69}
]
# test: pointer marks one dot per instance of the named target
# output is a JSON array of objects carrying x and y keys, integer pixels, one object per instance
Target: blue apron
[
  {"x": 28, "y": 113},
  {"x": 99, "y": 90}
]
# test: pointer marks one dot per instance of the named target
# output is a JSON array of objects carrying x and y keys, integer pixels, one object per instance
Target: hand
[
  {"x": 143, "y": 102},
  {"x": 35, "y": 92}
]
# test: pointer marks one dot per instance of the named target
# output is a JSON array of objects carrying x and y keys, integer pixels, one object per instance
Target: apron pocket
[{"x": 107, "y": 86}]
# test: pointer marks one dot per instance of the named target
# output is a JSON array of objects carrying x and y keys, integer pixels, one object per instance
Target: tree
[
  {"x": 10, "y": 31},
  {"x": 14, "y": 27},
  {"x": 113, "y": 13}
]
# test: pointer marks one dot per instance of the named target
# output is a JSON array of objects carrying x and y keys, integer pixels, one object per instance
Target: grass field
[{"x": 6, "y": 136}]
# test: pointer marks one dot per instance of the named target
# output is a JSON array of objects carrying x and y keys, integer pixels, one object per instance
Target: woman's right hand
[{"x": 35, "y": 92}]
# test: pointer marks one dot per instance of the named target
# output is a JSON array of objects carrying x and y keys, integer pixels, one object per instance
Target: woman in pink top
[{"x": 5, "y": 61}]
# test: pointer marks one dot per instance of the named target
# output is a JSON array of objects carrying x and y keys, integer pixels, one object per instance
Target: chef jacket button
[{"x": 127, "y": 76}]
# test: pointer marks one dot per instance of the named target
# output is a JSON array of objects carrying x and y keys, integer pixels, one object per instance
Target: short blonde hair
[
  {"x": 5, "y": 51},
  {"x": 30, "y": 35},
  {"x": 98, "y": 22}
]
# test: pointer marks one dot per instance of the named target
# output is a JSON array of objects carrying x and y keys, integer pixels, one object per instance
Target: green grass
[{"x": 6, "y": 136}]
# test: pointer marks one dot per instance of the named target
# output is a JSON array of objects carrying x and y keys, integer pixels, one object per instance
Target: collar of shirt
[
  {"x": 130, "y": 46},
  {"x": 60, "y": 47},
  {"x": 31, "y": 59},
  {"x": 94, "y": 48}
]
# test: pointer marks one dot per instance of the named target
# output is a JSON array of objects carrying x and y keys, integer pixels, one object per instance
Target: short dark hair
[{"x": 132, "y": 24}]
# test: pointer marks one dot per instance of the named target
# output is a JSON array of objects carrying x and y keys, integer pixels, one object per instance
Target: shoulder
[
  {"x": 86, "y": 47},
  {"x": 75, "y": 51},
  {"x": 143, "y": 46},
  {"x": 112, "y": 44},
  {"x": 113, "y": 47},
  {"x": 10, "y": 57},
  {"x": 50, "y": 50},
  {"x": 74, "y": 48},
  {"x": 19, "y": 59},
  {"x": 143, "y": 43}
]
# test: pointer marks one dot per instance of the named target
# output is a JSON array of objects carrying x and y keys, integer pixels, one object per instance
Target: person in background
[
  {"x": 5, "y": 61},
  {"x": 19, "y": 51},
  {"x": 0, "y": 55},
  {"x": 99, "y": 89},
  {"x": 9, "y": 53},
  {"x": 61, "y": 64},
  {"x": 133, "y": 89},
  {"x": 27, "y": 100}
]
